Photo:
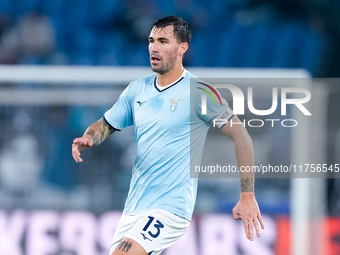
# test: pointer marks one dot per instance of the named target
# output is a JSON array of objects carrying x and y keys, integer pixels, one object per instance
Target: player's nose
[{"x": 153, "y": 47}]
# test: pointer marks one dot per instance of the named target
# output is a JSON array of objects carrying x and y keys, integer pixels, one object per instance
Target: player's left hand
[{"x": 248, "y": 210}]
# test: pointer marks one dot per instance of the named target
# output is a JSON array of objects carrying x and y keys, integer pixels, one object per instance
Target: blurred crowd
[{"x": 233, "y": 33}]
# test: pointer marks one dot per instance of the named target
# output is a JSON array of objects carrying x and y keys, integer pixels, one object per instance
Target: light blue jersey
[{"x": 165, "y": 125}]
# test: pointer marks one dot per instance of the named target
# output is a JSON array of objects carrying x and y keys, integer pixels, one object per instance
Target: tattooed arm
[
  {"x": 94, "y": 135},
  {"x": 247, "y": 208}
]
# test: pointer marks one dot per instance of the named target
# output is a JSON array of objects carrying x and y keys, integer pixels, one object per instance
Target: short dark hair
[{"x": 181, "y": 29}]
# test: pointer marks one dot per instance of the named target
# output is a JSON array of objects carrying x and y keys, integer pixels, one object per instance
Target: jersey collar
[{"x": 162, "y": 88}]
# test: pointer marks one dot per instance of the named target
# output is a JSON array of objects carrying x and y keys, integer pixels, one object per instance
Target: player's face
[{"x": 164, "y": 49}]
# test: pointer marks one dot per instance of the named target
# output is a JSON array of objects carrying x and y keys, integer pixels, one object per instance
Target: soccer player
[{"x": 162, "y": 195}]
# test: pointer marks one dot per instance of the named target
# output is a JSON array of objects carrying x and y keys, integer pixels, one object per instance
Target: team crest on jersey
[{"x": 174, "y": 104}]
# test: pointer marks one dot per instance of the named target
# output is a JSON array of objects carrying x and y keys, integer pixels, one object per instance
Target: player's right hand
[
  {"x": 80, "y": 144},
  {"x": 248, "y": 211}
]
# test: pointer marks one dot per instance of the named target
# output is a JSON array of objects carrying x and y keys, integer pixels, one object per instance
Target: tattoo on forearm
[
  {"x": 96, "y": 136},
  {"x": 247, "y": 185},
  {"x": 124, "y": 246},
  {"x": 99, "y": 131}
]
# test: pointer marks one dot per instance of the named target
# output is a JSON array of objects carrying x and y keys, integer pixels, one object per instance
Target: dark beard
[{"x": 165, "y": 68}]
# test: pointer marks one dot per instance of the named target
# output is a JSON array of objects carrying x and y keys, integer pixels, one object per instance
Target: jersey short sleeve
[
  {"x": 221, "y": 120},
  {"x": 209, "y": 102},
  {"x": 120, "y": 115}
]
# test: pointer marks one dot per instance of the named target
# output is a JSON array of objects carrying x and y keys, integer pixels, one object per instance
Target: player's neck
[{"x": 169, "y": 77}]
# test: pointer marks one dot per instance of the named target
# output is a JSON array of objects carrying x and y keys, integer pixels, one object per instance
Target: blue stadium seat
[
  {"x": 262, "y": 47},
  {"x": 52, "y": 8},
  {"x": 235, "y": 46},
  {"x": 288, "y": 51},
  {"x": 19, "y": 8},
  {"x": 111, "y": 49},
  {"x": 200, "y": 50},
  {"x": 83, "y": 58},
  {"x": 84, "y": 40},
  {"x": 139, "y": 56},
  {"x": 104, "y": 12},
  {"x": 311, "y": 52},
  {"x": 167, "y": 7},
  {"x": 222, "y": 13},
  {"x": 4, "y": 6}
]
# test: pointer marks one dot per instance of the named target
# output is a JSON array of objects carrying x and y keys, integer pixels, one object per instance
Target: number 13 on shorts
[{"x": 152, "y": 229}]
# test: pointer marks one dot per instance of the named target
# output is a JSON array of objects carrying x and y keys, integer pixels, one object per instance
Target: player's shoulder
[
  {"x": 189, "y": 75},
  {"x": 140, "y": 85},
  {"x": 196, "y": 82},
  {"x": 146, "y": 80},
  {"x": 186, "y": 81}
]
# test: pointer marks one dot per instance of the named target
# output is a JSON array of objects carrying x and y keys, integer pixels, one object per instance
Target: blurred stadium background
[{"x": 51, "y": 205}]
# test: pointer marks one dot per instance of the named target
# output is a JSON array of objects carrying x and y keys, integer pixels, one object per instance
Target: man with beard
[{"x": 162, "y": 195}]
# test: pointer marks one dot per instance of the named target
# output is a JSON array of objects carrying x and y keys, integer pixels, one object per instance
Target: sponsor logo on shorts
[{"x": 145, "y": 238}]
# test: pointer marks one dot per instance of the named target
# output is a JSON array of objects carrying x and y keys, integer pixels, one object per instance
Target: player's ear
[{"x": 183, "y": 47}]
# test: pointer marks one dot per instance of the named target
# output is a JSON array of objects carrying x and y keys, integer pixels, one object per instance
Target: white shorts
[{"x": 154, "y": 230}]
